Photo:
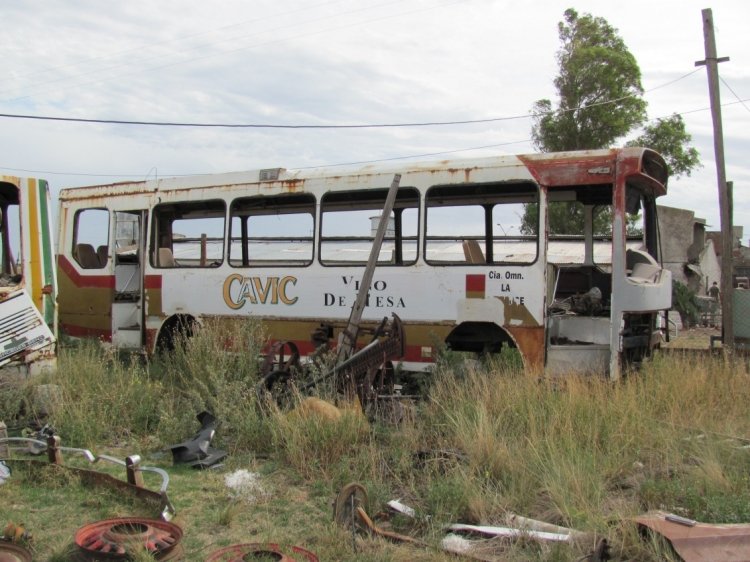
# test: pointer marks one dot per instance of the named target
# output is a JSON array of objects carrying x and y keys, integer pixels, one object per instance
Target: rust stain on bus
[
  {"x": 530, "y": 342},
  {"x": 457, "y": 171},
  {"x": 292, "y": 186},
  {"x": 583, "y": 168}
]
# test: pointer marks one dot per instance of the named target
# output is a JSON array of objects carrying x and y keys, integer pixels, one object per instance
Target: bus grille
[{"x": 14, "y": 330}]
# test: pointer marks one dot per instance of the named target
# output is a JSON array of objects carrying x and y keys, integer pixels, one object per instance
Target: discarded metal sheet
[
  {"x": 119, "y": 539},
  {"x": 197, "y": 451},
  {"x": 526, "y": 523},
  {"x": 701, "y": 542},
  {"x": 508, "y": 532},
  {"x": 253, "y": 551},
  {"x": 10, "y": 552}
]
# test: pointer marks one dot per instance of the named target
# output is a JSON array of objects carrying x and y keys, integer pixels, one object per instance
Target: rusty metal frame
[{"x": 134, "y": 471}]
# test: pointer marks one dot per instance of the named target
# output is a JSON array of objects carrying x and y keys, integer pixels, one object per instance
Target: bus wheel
[
  {"x": 283, "y": 356},
  {"x": 274, "y": 388},
  {"x": 175, "y": 330}
]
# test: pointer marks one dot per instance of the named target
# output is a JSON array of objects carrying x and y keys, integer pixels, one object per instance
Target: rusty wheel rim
[
  {"x": 13, "y": 553},
  {"x": 256, "y": 551},
  {"x": 117, "y": 539}
]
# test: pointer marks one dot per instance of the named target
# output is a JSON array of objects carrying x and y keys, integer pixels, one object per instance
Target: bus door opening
[{"x": 127, "y": 308}]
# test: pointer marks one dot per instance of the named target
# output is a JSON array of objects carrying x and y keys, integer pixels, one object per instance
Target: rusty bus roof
[{"x": 555, "y": 170}]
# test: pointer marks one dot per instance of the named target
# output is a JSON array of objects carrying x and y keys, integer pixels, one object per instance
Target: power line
[
  {"x": 352, "y": 126},
  {"x": 735, "y": 93},
  {"x": 394, "y": 158},
  {"x": 340, "y": 164}
]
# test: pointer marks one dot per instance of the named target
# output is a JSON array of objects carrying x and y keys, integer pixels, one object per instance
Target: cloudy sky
[{"x": 336, "y": 62}]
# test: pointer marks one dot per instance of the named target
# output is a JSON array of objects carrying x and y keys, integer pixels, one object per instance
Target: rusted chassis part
[
  {"x": 133, "y": 486},
  {"x": 366, "y": 374}
]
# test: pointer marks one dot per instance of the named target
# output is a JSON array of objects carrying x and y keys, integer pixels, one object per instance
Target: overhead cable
[{"x": 278, "y": 126}]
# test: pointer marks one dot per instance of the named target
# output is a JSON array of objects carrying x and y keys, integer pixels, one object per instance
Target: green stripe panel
[{"x": 47, "y": 251}]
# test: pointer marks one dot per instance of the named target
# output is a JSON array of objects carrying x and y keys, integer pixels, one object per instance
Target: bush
[{"x": 685, "y": 302}]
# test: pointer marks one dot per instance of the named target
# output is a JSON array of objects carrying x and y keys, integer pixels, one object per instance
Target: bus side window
[
  {"x": 91, "y": 232},
  {"x": 272, "y": 230},
  {"x": 350, "y": 220},
  {"x": 479, "y": 224},
  {"x": 192, "y": 232}
]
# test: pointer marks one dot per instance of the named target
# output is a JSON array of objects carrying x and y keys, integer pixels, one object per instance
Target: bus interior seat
[
  {"x": 102, "y": 252},
  {"x": 473, "y": 252},
  {"x": 166, "y": 258},
  {"x": 641, "y": 267},
  {"x": 644, "y": 273},
  {"x": 86, "y": 256},
  {"x": 633, "y": 257}
]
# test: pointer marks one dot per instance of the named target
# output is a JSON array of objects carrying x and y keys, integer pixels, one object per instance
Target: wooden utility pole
[{"x": 711, "y": 63}]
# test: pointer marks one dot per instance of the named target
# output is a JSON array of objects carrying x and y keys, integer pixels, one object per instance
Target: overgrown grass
[{"x": 487, "y": 440}]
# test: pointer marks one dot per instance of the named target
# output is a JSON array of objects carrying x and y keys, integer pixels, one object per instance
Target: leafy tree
[
  {"x": 685, "y": 302},
  {"x": 600, "y": 101},
  {"x": 669, "y": 137},
  {"x": 567, "y": 218},
  {"x": 599, "y": 89}
]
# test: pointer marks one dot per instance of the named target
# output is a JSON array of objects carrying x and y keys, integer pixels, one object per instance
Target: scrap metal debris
[
  {"x": 508, "y": 532},
  {"x": 527, "y": 523},
  {"x": 119, "y": 538},
  {"x": 10, "y": 552},
  {"x": 349, "y": 511},
  {"x": 197, "y": 451},
  {"x": 258, "y": 551},
  {"x": 133, "y": 469},
  {"x": 16, "y": 534},
  {"x": 700, "y": 542},
  {"x": 402, "y": 508}
]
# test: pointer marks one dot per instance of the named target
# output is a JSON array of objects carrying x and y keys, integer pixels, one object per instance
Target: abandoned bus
[
  {"x": 28, "y": 309},
  {"x": 472, "y": 257}
]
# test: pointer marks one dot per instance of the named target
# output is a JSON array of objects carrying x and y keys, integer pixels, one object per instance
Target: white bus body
[{"x": 458, "y": 264}]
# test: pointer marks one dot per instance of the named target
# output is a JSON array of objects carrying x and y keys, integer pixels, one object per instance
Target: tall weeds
[
  {"x": 578, "y": 451},
  {"x": 486, "y": 440}
]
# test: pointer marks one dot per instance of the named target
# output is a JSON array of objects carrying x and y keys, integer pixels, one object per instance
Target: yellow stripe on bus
[{"x": 35, "y": 252}]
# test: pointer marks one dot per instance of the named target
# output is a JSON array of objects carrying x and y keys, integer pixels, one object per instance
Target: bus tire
[{"x": 178, "y": 328}]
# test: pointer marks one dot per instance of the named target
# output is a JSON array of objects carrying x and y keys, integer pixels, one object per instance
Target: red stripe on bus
[
  {"x": 152, "y": 282},
  {"x": 100, "y": 281},
  {"x": 83, "y": 332}
]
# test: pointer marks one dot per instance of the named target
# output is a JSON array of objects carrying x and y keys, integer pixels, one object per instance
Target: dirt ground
[{"x": 693, "y": 338}]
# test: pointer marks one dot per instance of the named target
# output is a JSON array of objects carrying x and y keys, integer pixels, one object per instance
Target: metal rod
[{"x": 348, "y": 338}]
